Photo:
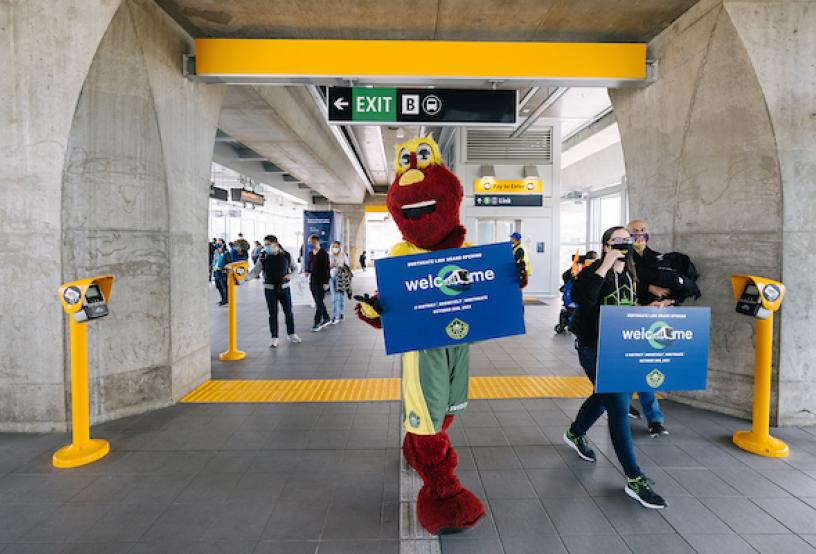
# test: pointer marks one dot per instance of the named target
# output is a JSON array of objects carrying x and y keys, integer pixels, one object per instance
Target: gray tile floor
[{"x": 323, "y": 478}]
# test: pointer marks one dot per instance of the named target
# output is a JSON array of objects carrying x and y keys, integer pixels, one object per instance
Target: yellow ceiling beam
[{"x": 283, "y": 58}]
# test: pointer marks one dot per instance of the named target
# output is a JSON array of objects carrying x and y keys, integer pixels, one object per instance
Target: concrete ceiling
[
  {"x": 519, "y": 20},
  {"x": 286, "y": 127}
]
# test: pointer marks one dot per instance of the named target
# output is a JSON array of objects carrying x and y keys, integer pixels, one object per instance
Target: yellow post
[
  {"x": 354, "y": 258},
  {"x": 758, "y": 440},
  {"x": 83, "y": 449},
  {"x": 237, "y": 270}
]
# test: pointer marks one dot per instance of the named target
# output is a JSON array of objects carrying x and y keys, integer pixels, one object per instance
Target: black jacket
[
  {"x": 591, "y": 291},
  {"x": 275, "y": 266},
  {"x": 319, "y": 267},
  {"x": 673, "y": 271}
]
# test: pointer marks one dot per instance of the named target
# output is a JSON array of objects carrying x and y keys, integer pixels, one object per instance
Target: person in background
[
  {"x": 233, "y": 251},
  {"x": 643, "y": 257},
  {"x": 337, "y": 261},
  {"x": 242, "y": 247},
  {"x": 221, "y": 257},
  {"x": 277, "y": 266},
  {"x": 610, "y": 281},
  {"x": 363, "y": 260},
  {"x": 213, "y": 245},
  {"x": 318, "y": 270},
  {"x": 256, "y": 252},
  {"x": 522, "y": 259}
]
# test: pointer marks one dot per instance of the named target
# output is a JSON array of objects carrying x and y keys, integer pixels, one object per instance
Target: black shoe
[
  {"x": 223, "y": 303},
  {"x": 657, "y": 429},
  {"x": 640, "y": 489},
  {"x": 579, "y": 444},
  {"x": 634, "y": 413}
]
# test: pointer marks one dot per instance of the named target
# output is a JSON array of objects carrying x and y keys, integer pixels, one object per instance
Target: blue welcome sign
[
  {"x": 428, "y": 301},
  {"x": 644, "y": 348}
]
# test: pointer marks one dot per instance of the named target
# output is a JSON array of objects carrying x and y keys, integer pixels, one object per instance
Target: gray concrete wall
[
  {"x": 106, "y": 151},
  {"x": 706, "y": 167},
  {"x": 780, "y": 39}
]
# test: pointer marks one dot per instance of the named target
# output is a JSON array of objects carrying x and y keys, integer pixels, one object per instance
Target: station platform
[{"x": 321, "y": 477}]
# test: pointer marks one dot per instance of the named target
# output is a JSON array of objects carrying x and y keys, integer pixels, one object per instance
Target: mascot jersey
[{"x": 424, "y": 202}]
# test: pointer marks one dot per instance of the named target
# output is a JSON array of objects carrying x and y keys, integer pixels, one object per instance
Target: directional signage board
[
  {"x": 386, "y": 106},
  {"x": 489, "y": 192}
]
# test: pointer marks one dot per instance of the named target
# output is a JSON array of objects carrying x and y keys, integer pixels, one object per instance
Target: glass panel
[
  {"x": 610, "y": 211},
  {"x": 504, "y": 228},
  {"x": 486, "y": 231}
]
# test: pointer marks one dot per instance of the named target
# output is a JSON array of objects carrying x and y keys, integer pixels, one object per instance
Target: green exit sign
[{"x": 374, "y": 104}]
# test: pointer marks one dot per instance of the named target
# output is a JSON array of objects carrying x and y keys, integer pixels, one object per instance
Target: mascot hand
[{"x": 369, "y": 310}]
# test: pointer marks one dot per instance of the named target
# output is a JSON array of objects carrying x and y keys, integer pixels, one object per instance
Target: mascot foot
[
  {"x": 409, "y": 449},
  {"x": 451, "y": 514}
]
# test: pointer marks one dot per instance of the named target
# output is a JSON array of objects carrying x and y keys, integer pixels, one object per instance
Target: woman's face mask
[{"x": 335, "y": 249}]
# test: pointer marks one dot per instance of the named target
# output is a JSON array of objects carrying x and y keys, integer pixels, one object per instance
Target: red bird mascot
[{"x": 424, "y": 202}]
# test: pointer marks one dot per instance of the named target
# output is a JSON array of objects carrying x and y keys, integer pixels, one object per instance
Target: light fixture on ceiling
[{"x": 400, "y": 133}]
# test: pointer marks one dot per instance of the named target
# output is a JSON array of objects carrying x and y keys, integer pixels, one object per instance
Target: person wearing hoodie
[{"x": 610, "y": 281}]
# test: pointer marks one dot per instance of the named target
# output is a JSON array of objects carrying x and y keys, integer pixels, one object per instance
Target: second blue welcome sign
[{"x": 427, "y": 301}]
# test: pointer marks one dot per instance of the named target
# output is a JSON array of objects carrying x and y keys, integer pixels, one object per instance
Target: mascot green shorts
[{"x": 434, "y": 384}]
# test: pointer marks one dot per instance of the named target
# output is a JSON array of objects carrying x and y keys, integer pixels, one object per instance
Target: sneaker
[
  {"x": 317, "y": 327},
  {"x": 325, "y": 323},
  {"x": 634, "y": 413},
  {"x": 294, "y": 338},
  {"x": 273, "y": 343},
  {"x": 640, "y": 488},
  {"x": 579, "y": 444},
  {"x": 335, "y": 321},
  {"x": 342, "y": 317},
  {"x": 657, "y": 429}
]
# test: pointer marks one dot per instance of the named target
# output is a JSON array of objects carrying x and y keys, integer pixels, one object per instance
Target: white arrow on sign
[{"x": 340, "y": 103}]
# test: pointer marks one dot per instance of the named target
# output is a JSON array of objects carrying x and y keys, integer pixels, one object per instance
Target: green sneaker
[
  {"x": 579, "y": 444},
  {"x": 640, "y": 488}
]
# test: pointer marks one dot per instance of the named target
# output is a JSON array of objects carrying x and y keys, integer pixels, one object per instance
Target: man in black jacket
[
  {"x": 645, "y": 260},
  {"x": 318, "y": 270},
  {"x": 277, "y": 267}
]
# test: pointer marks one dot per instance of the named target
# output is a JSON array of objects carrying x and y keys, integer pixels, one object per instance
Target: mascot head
[{"x": 425, "y": 196}]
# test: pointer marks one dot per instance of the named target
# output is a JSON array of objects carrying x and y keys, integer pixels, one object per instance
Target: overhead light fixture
[{"x": 400, "y": 133}]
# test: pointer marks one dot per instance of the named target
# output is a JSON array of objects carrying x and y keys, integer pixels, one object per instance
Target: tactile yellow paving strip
[{"x": 372, "y": 390}]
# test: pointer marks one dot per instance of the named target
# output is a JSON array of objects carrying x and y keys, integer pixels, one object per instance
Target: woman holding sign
[{"x": 610, "y": 281}]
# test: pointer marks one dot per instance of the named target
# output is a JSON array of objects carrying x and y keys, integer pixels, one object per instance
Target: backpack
[{"x": 343, "y": 279}]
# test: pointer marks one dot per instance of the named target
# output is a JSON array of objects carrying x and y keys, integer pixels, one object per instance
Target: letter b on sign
[{"x": 410, "y": 104}]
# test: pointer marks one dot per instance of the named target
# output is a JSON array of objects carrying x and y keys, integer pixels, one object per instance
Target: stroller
[{"x": 568, "y": 306}]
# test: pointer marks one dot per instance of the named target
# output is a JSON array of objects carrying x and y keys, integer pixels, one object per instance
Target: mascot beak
[{"x": 411, "y": 177}]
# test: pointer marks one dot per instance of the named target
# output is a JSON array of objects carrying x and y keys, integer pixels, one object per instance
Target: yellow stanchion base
[
  {"x": 75, "y": 455},
  {"x": 763, "y": 446},
  {"x": 231, "y": 356}
]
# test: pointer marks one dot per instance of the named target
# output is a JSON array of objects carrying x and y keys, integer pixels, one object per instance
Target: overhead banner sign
[
  {"x": 643, "y": 348},
  {"x": 428, "y": 301},
  {"x": 489, "y": 192},
  {"x": 386, "y": 106}
]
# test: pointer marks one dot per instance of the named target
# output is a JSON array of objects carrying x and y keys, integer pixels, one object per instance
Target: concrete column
[
  {"x": 706, "y": 154},
  {"x": 110, "y": 179},
  {"x": 44, "y": 63}
]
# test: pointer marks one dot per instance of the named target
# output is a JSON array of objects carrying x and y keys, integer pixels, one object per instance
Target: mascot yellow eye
[
  {"x": 404, "y": 158},
  {"x": 424, "y": 153}
]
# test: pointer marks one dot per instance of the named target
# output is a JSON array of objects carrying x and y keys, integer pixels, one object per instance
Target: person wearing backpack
[{"x": 338, "y": 261}]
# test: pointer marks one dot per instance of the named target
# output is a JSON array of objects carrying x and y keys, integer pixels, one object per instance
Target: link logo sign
[
  {"x": 449, "y": 297},
  {"x": 643, "y": 348},
  {"x": 386, "y": 106}
]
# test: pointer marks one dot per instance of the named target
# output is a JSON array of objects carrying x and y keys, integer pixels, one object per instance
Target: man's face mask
[
  {"x": 640, "y": 240},
  {"x": 271, "y": 248}
]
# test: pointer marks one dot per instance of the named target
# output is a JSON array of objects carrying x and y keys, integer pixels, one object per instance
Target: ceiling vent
[{"x": 487, "y": 147}]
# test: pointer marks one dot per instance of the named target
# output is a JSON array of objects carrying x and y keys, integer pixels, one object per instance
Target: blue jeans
[
  {"x": 651, "y": 407},
  {"x": 338, "y": 299},
  {"x": 616, "y": 406}
]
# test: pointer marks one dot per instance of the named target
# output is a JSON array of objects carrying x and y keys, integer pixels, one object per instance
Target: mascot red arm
[{"x": 424, "y": 202}]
